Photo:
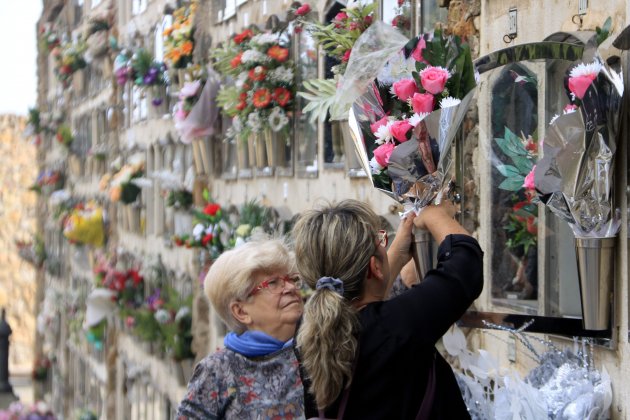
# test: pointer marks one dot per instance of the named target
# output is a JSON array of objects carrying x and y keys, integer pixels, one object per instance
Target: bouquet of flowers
[
  {"x": 48, "y": 38},
  {"x": 337, "y": 39},
  {"x": 405, "y": 121},
  {"x": 64, "y": 135},
  {"x": 145, "y": 70},
  {"x": 69, "y": 58},
  {"x": 48, "y": 181},
  {"x": 261, "y": 99},
  {"x": 574, "y": 177},
  {"x": 84, "y": 225},
  {"x": 123, "y": 184},
  {"x": 18, "y": 411},
  {"x": 178, "y": 38}
]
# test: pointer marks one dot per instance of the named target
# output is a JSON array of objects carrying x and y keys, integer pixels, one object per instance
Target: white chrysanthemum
[
  {"x": 375, "y": 166},
  {"x": 265, "y": 38},
  {"x": 384, "y": 134},
  {"x": 281, "y": 74},
  {"x": 254, "y": 122},
  {"x": 278, "y": 119},
  {"x": 449, "y": 101},
  {"x": 253, "y": 56},
  {"x": 415, "y": 119},
  {"x": 586, "y": 69},
  {"x": 553, "y": 119},
  {"x": 241, "y": 79}
]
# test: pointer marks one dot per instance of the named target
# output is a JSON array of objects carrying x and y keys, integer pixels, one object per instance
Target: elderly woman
[
  {"x": 255, "y": 290},
  {"x": 365, "y": 357}
]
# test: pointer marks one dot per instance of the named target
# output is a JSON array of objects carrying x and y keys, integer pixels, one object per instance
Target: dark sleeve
[
  {"x": 203, "y": 399},
  {"x": 425, "y": 312}
]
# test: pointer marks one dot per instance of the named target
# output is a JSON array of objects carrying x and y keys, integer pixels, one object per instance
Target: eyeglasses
[
  {"x": 382, "y": 238},
  {"x": 277, "y": 285}
]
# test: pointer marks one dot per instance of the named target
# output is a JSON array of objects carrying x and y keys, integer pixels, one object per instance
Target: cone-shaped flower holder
[{"x": 595, "y": 259}]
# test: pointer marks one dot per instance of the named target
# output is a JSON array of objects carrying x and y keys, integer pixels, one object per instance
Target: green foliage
[
  {"x": 604, "y": 32},
  {"x": 320, "y": 94},
  {"x": 180, "y": 199},
  {"x": 513, "y": 147}
]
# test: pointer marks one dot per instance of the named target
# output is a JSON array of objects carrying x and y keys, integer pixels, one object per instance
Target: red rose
[
  {"x": 303, "y": 10},
  {"x": 341, "y": 16},
  {"x": 243, "y": 36},
  {"x": 532, "y": 225},
  {"x": 368, "y": 20},
  {"x": 207, "y": 238},
  {"x": 211, "y": 209}
]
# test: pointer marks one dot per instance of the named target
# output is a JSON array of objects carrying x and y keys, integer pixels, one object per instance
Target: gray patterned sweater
[{"x": 228, "y": 385}]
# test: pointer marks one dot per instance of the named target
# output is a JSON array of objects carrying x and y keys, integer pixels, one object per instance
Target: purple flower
[
  {"x": 157, "y": 102},
  {"x": 154, "y": 299}
]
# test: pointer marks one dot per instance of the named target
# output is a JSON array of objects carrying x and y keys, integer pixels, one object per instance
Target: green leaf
[
  {"x": 321, "y": 94},
  {"x": 514, "y": 183},
  {"x": 206, "y": 195},
  {"x": 508, "y": 171}
]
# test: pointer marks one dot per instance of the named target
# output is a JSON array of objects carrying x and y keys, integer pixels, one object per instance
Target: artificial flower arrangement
[
  {"x": 252, "y": 219},
  {"x": 195, "y": 78},
  {"x": 40, "y": 410},
  {"x": 41, "y": 366},
  {"x": 84, "y": 224},
  {"x": 522, "y": 224},
  {"x": 337, "y": 40},
  {"x": 69, "y": 58},
  {"x": 64, "y": 135},
  {"x": 209, "y": 227},
  {"x": 122, "y": 185},
  {"x": 178, "y": 38},
  {"x": 48, "y": 37},
  {"x": 48, "y": 181},
  {"x": 127, "y": 284},
  {"x": 141, "y": 69},
  {"x": 261, "y": 98},
  {"x": 33, "y": 251}
]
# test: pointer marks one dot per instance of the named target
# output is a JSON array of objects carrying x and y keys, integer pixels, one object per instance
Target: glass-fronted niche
[{"x": 531, "y": 252}]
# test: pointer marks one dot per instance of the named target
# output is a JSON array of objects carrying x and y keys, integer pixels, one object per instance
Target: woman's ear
[
  {"x": 239, "y": 312},
  {"x": 375, "y": 268}
]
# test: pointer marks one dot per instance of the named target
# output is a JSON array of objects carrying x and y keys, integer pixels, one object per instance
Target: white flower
[
  {"x": 449, "y": 101},
  {"x": 254, "y": 122},
  {"x": 162, "y": 316},
  {"x": 375, "y": 166},
  {"x": 237, "y": 124},
  {"x": 582, "y": 69},
  {"x": 415, "y": 119},
  {"x": 265, "y": 38},
  {"x": 241, "y": 79},
  {"x": 184, "y": 311},
  {"x": 383, "y": 134},
  {"x": 281, "y": 74},
  {"x": 198, "y": 231},
  {"x": 253, "y": 56},
  {"x": 277, "y": 119}
]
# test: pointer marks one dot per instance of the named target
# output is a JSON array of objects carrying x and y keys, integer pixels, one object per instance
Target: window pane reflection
[{"x": 305, "y": 131}]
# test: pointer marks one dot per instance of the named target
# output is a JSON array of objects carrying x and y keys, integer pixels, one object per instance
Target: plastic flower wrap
[
  {"x": 564, "y": 384},
  {"x": 575, "y": 175},
  {"x": 84, "y": 225},
  {"x": 196, "y": 111},
  {"x": 405, "y": 119},
  {"x": 178, "y": 38},
  {"x": 261, "y": 97}
]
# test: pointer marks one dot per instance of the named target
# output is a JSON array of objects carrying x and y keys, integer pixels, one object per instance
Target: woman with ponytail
[{"x": 367, "y": 358}]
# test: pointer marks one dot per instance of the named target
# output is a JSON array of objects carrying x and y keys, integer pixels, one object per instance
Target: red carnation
[
  {"x": 303, "y": 10},
  {"x": 282, "y": 96},
  {"x": 261, "y": 98}
]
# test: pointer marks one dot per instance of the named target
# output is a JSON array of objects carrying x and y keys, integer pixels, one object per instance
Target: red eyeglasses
[
  {"x": 276, "y": 285},
  {"x": 382, "y": 238}
]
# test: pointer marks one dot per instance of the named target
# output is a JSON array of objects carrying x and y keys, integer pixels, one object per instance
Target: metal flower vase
[
  {"x": 273, "y": 146},
  {"x": 260, "y": 149},
  {"x": 422, "y": 252},
  {"x": 595, "y": 259}
]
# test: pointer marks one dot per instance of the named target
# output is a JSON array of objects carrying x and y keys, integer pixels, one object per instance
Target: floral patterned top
[{"x": 228, "y": 385}]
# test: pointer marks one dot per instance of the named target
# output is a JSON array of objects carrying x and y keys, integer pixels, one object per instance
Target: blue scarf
[{"x": 254, "y": 343}]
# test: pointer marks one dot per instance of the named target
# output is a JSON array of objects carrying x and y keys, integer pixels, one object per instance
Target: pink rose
[
  {"x": 433, "y": 79},
  {"x": 382, "y": 154},
  {"x": 529, "y": 180},
  {"x": 422, "y": 103},
  {"x": 303, "y": 10},
  {"x": 399, "y": 130},
  {"x": 578, "y": 85},
  {"x": 405, "y": 89},
  {"x": 416, "y": 54},
  {"x": 378, "y": 124}
]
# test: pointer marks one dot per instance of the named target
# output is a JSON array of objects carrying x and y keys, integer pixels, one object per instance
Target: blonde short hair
[{"x": 232, "y": 276}]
